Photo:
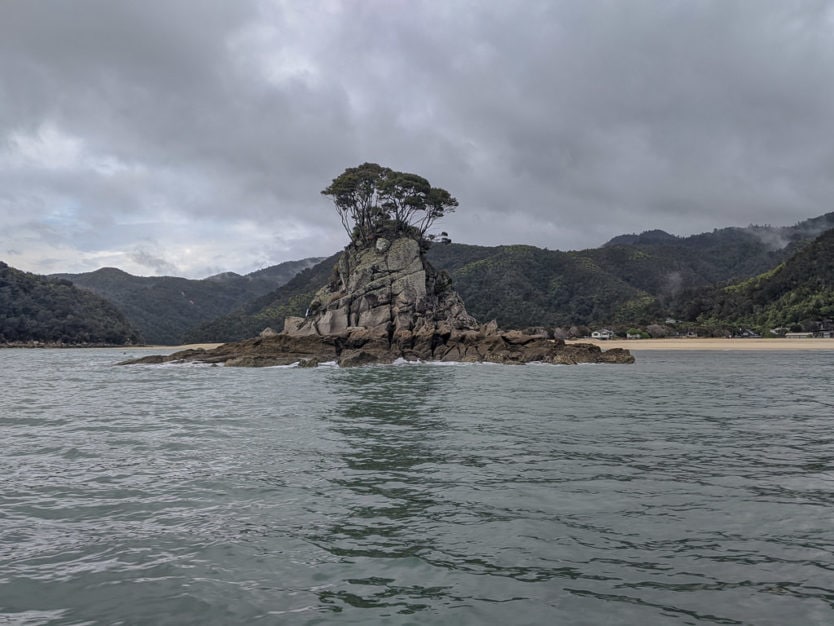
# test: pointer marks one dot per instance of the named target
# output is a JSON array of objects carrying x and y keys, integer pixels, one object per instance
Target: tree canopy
[
  {"x": 39, "y": 308},
  {"x": 372, "y": 199}
]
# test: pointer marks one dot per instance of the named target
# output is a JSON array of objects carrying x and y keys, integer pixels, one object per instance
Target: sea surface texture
[{"x": 689, "y": 488}]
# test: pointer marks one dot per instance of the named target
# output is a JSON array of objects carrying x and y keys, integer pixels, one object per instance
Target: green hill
[
  {"x": 268, "y": 310},
  {"x": 165, "y": 308},
  {"x": 663, "y": 264},
  {"x": 522, "y": 286},
  {"x": 797, "y": 294},
  {"x": 518, "y": 286},
  {"x": 51, "y": 310},
  {"x": 632, "y": 280}
]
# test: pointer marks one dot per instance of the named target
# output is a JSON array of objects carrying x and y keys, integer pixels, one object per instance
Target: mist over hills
[
  {"x": 773, "y": 237},
  {"x": 759, "y": 276},
  {"x": 796, "y": 295},
  {"x": 632, "y": 280}
]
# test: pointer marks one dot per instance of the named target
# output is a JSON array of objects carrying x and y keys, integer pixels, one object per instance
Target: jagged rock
[
  {"x": 268, "y": 332},
  {"x": 615, "y": 355},
  {"x": 490, "y": 328},
  {"x": 358, "y": 347},
  {"x": 356, "y": 358},
  {"x": 292, "y": 326},
  {"x": 386, "y": 302},
  {"x": 260, "y": 360},
  {"x": 388, "y": 286},
  {"x": 153, "y": 359}
]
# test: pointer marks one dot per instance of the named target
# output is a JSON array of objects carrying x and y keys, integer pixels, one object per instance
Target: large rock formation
[
  {"x": 385, "y": 302},
  {"x": 388, "y": 289}
]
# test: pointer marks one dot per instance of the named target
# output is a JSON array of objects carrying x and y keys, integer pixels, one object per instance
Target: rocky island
[{"x": 384, "y": 301}]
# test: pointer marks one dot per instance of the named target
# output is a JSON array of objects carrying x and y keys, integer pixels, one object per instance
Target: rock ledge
[{"x": 355, "y": 347}]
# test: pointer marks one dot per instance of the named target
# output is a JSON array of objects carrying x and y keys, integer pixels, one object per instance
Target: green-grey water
[{"x": 689, "y": 488}]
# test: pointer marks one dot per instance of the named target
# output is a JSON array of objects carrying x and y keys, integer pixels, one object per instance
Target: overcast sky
[{"x": 189, "y": 137}]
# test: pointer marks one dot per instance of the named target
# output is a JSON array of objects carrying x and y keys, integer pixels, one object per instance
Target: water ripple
[{"x": 682, "y": 489}]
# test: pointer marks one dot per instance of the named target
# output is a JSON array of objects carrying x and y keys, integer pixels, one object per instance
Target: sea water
[{"x": 688, "y": 488}]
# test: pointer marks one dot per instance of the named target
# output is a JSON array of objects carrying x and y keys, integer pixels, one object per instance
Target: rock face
[
  {"x": 387, "y": 289},
  {"x": 385, "y": 303}
]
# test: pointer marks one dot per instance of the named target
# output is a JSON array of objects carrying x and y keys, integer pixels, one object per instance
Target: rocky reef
[{"x": 384, "y": 303}]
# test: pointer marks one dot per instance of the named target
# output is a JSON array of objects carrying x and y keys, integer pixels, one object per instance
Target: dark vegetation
[
  {"x": 797, "y": 295},
  {"x": 50, "y": 310},
  {"x": 522, "y": 286},
  {"x": 165, "y": 308},
  {"x": 633, "y": 281},
  {"x": 373, "y": 200},
  {"x": 268, "y": 310},
  {"x": 760, "y": 278}
]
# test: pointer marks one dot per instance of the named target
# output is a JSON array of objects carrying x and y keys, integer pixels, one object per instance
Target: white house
[{"x": 602, "y": 334}]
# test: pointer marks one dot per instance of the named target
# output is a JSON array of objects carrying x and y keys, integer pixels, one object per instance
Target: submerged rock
[{"x": 386, "y": 302}]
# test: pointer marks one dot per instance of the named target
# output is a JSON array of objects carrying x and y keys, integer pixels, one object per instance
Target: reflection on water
[
  {"x": 685, "y": 489},
  {"x": 513, "y": 491},
  {"x": 391, "y": 419}
]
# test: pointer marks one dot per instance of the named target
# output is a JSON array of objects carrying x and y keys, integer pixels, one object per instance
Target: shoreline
[
  {"x": 636, "y": 345},
  {"x": 632, "y": 345},
  {"x": 715, "y": 344},
  {"x": 108, "y": 346}
]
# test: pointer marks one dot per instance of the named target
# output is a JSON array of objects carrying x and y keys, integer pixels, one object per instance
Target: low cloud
[
  {"x": 555, "y": 123},
  {"x": 157, "y": 264}
]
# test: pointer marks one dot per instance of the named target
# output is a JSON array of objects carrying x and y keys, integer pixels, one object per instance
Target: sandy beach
[{"x": 636, "y": 345}]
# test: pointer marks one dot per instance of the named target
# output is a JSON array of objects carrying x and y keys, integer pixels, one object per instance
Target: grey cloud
[
  {"x": 158, "y": 264},
  {"x": 556, "y": 123}
]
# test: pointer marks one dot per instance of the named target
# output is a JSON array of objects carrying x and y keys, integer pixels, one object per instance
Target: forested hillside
[
  {"x": 165, "y": 308},
  {"x": 516, "y": 285},
  {"x": 797, "y": 294},
  {"x": 49, "y": 310},
  {"x": 526, "y": 286},
  {"x": 268, "y": 310},
  {"x": 634, "y": 280}
]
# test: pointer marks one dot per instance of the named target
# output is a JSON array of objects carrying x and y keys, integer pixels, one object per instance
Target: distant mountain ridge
[
  {"x": 646, "y": 237},
  {"x": 633, "y": 279},
  {"x": 165, "y": 308},
  {"x": 269, "y": 310},
  {"x": 41, "y": 309},
  {"x": 775, "y": 237}
]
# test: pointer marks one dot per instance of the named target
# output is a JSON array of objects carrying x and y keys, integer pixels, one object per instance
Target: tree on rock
[{"x": 373, "y": 200}]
